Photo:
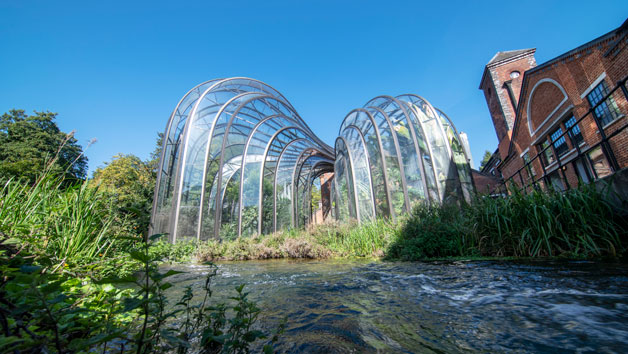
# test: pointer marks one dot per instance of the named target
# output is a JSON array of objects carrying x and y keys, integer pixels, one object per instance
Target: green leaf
[
  {"x": 116, "y": 280},
  {"x": 160, "y": 276},
  {"x": 5, "y": 342},
  {"x": 251, "y": 336},
  {"x": 172, "y": 272},
  {"x": 156, "y": 236},
  {"x": 139, "y": 256},
  {"x": 132, "y": 303},
  {"x": 174, "y": 340},
  {"x": 29, "y": 269},
  {"x": 129, "y": 238}
]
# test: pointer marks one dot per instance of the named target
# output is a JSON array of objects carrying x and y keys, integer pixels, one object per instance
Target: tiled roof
[{"x": 501, "y": 56}]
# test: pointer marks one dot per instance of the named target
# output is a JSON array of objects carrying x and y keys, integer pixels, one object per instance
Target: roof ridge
[{"x": 507, "y": 54}]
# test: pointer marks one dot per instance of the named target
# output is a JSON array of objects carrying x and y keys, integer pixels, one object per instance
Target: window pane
[
  {"x": 601, "y": 167},
  {"x": 607, "y": 111},
  {"x": 560, "y": 144},
  {"x": 547, "y": 155},
  {"x": 529, "y": 167},
  {"x": 574, "y": 130}
]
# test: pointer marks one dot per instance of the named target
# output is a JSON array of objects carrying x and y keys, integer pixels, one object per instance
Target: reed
[
  {"x": 579, "y": 222},
  {"x": 70, "y": 224},
  {"x": 369, "y": 239}
]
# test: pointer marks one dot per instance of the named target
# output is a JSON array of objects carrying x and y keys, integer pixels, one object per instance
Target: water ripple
[{"x": 448, "y": 307}]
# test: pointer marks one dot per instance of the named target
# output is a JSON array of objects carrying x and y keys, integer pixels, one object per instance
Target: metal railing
[{"x": 582, "y": 153}]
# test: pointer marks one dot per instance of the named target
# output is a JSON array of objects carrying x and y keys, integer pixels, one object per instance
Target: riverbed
[{"x": 442, "y": 307}]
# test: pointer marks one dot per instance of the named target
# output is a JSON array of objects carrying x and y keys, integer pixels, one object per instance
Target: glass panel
[
  {"x": 361, "y": 172},
  {"x": 461, "y": 185},
  {"x": 435, "y": 152},
  {"x": 607, "y": 111},
  {"x": 529, "y": 167},
  {"x": 601, "y": 167},
  {"x": 546, "y": 153},
  {"x": 556, "y": 181},
  {"x": 560, "y": 143},
  {"x": 583, "y": 171},
  {"x": 405, "y": 138},
  {"x": 391, "y": 161},
  {"x": 378, "y": 178},
  {"x": 574, "y": 132}
]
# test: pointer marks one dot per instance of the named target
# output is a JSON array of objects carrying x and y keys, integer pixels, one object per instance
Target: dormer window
[{"x": 515, "y": 74}]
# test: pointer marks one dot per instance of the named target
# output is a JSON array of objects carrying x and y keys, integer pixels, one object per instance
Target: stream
[{"x": 349, "y": 306}]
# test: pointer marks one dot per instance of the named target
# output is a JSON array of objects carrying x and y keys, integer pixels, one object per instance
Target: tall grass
[
  {"x": 432, "y": 232},
  {"x": 578, "y": 222},
  {"x": 368, "y": 239},
  {"x": 69, "y": 224}
]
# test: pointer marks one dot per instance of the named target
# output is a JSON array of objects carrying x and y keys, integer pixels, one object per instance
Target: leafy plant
[
  {"x": 47, "y": 311},
  {"x": 431, "y": 232}
]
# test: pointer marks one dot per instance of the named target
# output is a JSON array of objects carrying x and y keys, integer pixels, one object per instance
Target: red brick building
[{"x": 561, "y": 121}]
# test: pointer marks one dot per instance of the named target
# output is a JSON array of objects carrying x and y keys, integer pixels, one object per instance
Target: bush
[{"x": 431, "y": 232}]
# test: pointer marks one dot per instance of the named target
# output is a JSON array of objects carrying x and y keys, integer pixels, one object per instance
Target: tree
[
  {"x": 130, "y": 183},
  {"x": 485, "y": 159},
  {"x": 153, "y": 163},
  {"x": 29, "y": 144}
]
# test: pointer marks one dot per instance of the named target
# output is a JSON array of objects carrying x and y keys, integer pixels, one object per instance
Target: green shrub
[{"x": 431, "y": 232}]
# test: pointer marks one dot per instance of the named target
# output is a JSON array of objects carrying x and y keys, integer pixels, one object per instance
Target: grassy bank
[
  {"x": 579, "y": 224},
  {"x": 329, "y": 240}
]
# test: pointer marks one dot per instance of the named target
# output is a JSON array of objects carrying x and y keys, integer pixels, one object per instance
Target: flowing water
[{"x": 362, "y": 307}]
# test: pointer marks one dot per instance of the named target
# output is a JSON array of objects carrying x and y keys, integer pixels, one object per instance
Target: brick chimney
[{"x": 501, "y": 83}]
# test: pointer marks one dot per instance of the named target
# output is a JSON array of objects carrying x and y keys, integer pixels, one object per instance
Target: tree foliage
[
  {"x": 485, "y": 159},
  {"x": 153, "y": 163},
  {"x": 29, "y": 142},
  {"x": 130, "y": 183}
]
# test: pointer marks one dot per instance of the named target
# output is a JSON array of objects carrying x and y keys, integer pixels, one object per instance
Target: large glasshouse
[{"x": 238, "y": 160}]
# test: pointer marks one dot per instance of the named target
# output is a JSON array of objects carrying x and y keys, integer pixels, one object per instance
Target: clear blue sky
[{"x": 114, "y": 70}]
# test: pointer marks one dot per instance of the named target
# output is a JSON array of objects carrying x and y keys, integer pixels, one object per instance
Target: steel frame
[{"x": 220, "y": 127}]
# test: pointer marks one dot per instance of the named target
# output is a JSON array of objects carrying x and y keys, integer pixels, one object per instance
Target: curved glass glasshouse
[{"x": 238, "y": 160}]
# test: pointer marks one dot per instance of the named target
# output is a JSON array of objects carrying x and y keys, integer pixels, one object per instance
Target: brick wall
[
  {"x": 575, "y": 72},
  {"x": 484, "y": 183}
]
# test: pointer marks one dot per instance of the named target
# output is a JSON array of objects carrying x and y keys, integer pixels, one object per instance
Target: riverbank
[
  {"x": 66, "y": 248},
  {"x": 577, "y": 224}
]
